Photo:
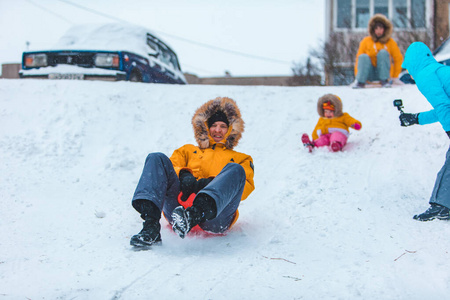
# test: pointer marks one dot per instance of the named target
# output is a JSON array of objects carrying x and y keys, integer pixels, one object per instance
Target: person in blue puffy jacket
[{"x": 433, "y": 81}]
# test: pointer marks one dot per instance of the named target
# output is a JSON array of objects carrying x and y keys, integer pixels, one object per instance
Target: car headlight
[
  {"x": 35, "y": 60},
  {"x": 106, "y": 60}
]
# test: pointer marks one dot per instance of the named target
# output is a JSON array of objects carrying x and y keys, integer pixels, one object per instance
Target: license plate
[{"x": 66, "y": 76}]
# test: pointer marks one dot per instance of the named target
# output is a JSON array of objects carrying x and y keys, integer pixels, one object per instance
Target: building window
[
  {"x": 400, "y": 16},
  {"x": 362, "y": 13},
  {"x": 381, "y": 7},
  {"x": 418, "y": 14},
  {"x": 344, "y": 15},
  {"x": 355, "y": 14}
]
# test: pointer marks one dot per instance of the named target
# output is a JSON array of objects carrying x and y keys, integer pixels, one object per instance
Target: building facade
[{"x": 347, "y": 21}]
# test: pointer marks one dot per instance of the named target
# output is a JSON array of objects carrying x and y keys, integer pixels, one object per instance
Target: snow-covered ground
[{"x": 318, "y": 226}]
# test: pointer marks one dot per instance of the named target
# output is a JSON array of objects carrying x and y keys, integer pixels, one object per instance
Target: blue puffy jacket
[{"x": 432, "y": 80}]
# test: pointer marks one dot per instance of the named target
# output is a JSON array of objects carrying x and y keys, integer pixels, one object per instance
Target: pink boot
[
  {"x": 305, "y": 139},
  {"x": 336, "y": 146},
  {"x": 307, "y": 142}
]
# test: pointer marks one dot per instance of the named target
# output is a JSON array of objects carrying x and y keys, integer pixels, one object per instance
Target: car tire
[{"x": 135, "y": 77}]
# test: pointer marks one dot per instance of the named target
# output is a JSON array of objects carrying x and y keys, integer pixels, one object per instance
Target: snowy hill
[{"x": 318, "y": 226}]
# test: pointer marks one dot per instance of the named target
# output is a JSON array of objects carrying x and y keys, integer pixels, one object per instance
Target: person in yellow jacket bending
[
  {"x": 333, "y": 125},
  {"x": 378, "y": 57},
  {"x": 199, "y": 185}
]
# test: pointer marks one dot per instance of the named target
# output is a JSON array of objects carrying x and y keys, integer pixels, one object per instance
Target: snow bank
[{"x": 318, "y": 226}]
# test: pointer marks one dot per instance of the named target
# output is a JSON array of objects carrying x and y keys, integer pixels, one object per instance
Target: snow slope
[{"x": 318, "y": 226}]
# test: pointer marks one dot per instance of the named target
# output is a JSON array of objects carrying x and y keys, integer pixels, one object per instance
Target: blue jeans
[
  {"x": 367, "y": 72},
  {"x": 159, "y": 184},
  {"x": 441, "y": 190}
]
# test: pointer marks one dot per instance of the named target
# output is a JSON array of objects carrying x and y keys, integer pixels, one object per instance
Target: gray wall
[
  {"x": 10, "y": 70},
  {"x": 259, "y": 80}
]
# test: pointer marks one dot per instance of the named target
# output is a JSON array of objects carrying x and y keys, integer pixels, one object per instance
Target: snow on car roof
[
  {"x": 443, "y": 53},
  {"x": 441, "y": 57},
  {"x": 109, "y": 37}
]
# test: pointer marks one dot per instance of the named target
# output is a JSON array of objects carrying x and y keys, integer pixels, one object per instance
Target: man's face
[{"x": 218, "y": 131}]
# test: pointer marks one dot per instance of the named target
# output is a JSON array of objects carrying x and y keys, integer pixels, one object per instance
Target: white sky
[{"x": 282, "y": 31}]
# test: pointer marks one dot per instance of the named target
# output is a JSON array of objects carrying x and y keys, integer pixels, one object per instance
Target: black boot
[
  {"x": 204, "y": 208},
  {"x": 185, "y": 219},
  {"x": 434, "y": 211},
  {"x": 150, "y": 233}
]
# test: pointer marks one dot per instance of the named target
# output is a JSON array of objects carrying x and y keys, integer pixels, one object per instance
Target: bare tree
[
  {"x": 306, "y": 74},
  {"x": 337, "y": 56}
]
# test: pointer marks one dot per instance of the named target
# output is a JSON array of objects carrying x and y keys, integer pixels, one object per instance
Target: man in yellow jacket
[
  {"x": 378, "y": 57},
  {"x": 199, "y": 185}
]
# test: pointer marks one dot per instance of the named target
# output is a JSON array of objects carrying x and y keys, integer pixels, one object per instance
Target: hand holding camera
[
  {"x": 405, "y": 118},
  {"x": 409, "y": 119}
]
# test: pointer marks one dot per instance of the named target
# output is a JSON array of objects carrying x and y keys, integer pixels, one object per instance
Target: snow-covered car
[
  {"x": 105, "y": 52},
  {"x": 442, "y": 53}
]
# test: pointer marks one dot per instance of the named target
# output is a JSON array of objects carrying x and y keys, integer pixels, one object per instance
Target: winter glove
[
  {"x": 409, "y": 119},
  {"x": 202, "y": 183},
  {"x": 188, "y": 184},
  {"x": 356, "y": 126}
]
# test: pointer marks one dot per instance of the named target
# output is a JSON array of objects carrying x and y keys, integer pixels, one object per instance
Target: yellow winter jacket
[
  {"x": 324, "y": 124},
  {"x": 205, "y": 163},
  {"x": 371, "y": 45}
]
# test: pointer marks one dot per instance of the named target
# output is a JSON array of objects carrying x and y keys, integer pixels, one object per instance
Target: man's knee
[
  {"x": 154, "y": 155},
  {"x": 235, "y": 168},
  {"x": 157, "y": 156}
]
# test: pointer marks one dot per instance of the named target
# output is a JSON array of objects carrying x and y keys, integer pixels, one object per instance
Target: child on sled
[{"x": 332, "y": 129}]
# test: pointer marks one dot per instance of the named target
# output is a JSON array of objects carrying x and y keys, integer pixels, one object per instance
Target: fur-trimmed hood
[
  {"x": 204, "y": 112},
  {"x": 335, "y": 100},
  {"x": 388, "y": 28}
]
